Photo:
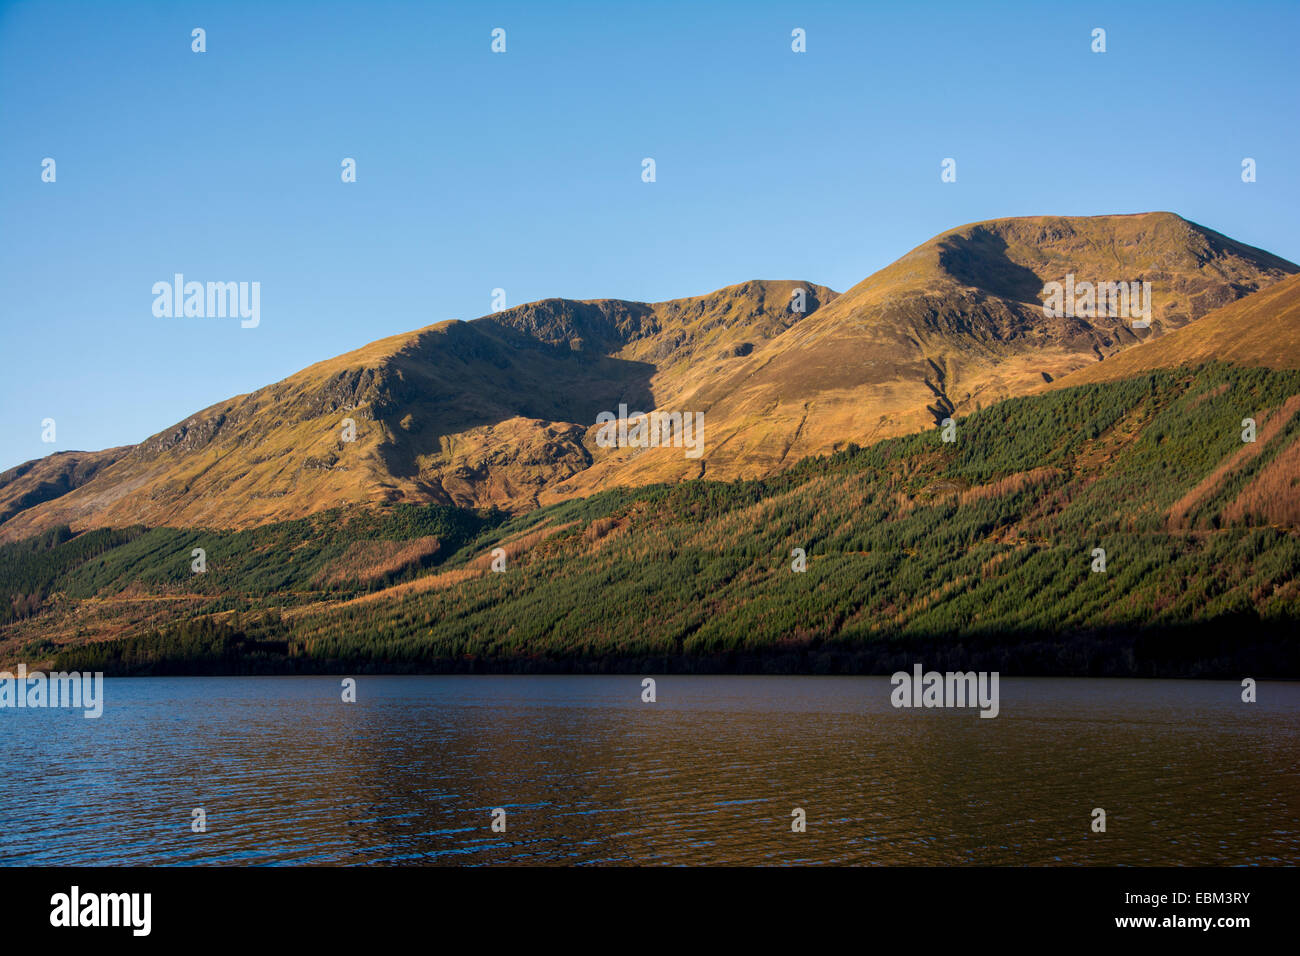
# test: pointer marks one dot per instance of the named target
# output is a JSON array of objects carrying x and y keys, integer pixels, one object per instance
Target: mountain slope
[
  {"x": 980, "y": 553},
  {"x": 1260, "y": 330},
  {"x": 501, "y": 410},
  {"x": 51, "y": 477}
]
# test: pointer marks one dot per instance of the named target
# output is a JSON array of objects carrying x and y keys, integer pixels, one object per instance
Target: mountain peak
[{"x": 1014, "y": 258}]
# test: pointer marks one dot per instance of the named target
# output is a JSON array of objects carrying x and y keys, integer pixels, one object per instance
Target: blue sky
[{"x": 522, "y": 170}]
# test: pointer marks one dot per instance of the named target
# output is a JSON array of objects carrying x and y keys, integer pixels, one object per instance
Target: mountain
[
  {"x": 502, "y": 410},
  {"x": 490, "y": 411},
  {"x": 954, "y": 325},
  {"x": 51, "y": 477}
]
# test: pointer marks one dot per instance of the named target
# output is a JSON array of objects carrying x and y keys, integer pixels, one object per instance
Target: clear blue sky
[{"x": 523, "y": 171}]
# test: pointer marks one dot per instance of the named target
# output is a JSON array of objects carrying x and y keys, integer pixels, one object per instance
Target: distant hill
[
  {"x": 501, "y": 411},
  {"x": 51, "y": 477}
]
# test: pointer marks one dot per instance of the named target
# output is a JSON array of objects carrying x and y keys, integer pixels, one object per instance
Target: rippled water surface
[{"x": 709, "y": 773}]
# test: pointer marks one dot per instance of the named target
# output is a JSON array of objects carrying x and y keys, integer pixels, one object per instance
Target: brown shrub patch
[{"x": 1206, "y": 487}]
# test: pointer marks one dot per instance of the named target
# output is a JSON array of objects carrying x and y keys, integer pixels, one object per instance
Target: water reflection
[{"x": 709, "y": 773}]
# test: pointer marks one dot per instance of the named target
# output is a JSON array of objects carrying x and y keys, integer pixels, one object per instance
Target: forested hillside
[{"x": 984, "y": 550}]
